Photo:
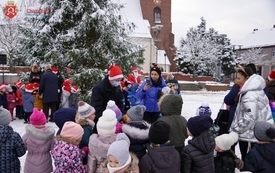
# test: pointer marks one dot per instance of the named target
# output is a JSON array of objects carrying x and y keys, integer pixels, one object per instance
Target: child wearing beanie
[
  {"x": 85, "y": 117},
  {"x": 66, "y": 154},
  {"x": 137, "y": 130},
  {"x": 197, "y": 156},
  {"x": 119, "y": 159},
  {"x": 112, "y": 106},
  {"x": 11, "y": 144},
  {"x": 261, "y": 157},
  {"x": 204, "y": 110},
  {"x": 39, "y": 140},
  {"x": 161, "y": 156},
  {"x": 99, "y": 143},
  {"x": 225, "y": 159}
]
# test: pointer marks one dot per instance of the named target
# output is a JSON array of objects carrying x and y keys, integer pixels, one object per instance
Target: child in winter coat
[
  {"x": 66, "y": 154},
  {"x": 11, "y": 98},
  {"x": 39, "y": 140},
  {"x": 137, "y": 130},
  {"x": 85, "y": 117},
  {"x": 225, "y": 159},
  {"x": 197, "y": 156},
  {"x": 261, "y": 157},
  {"x": 161, "y": 156},
  {"x": 99, "y": 143},
  {"x": 19, "y": 102},
  {"x": 38, "y": 104},
  {"x": 119, "y": 159},
  {"x": 3, "y": 96},
  {"x": 11, "y": 145},
  {"x": 204, "y": 110},
  {"x": 112, "y": 106},
  {"x": 61, "y": 116},
  {"x": 28, "y": 101}
]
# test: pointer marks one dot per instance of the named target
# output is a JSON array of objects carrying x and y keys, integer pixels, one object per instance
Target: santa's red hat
[
  {"x": 29, "y": 88},
  {"x": 19, "y": 84},
  {"x": 36, "y": 85},
  {"x": 75, "y": 89},
  {"x": 54, "y": 70},
  {"x": 133, "y": 68},
  {"x": 3, "y": 86},
  {"x": 67, "y": 82},
  {"x": 115, "y": 72},
  {"x": 271, "y": 75}
]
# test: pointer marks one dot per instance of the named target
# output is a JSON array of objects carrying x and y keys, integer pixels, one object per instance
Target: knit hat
[
  {"x": 165, "y": 90},
  {"x": 63, "y": 115},
  {"x": 159, "y": 132},
  {"x": 85, "y": 110},
  {"x": 264, "y": 131},
  {"x": 204, "y": 110},
  {"x": 54, "y": 70},
  {"x": 37, "y": 118},
  {"x": 156, "y": 68},
  {"x": 106, "y": 124},
  {"x": 67, "y": 82},
  {"x": 72, "y": 130},
  {"x": 252, "y": 67},
  {"x": 120, "y": 149},
  {"x": 198, "y": 124},
  {"x": 5, "y": 116},
  {"x": 225, "y": 141},
  {"x": 136, "y": 113},
  {"x": 29, "y": 88},
  {"x": 115, "y": 72},
  {"x": 112, "y": 105},
  {"x": 271, "y": 75}
]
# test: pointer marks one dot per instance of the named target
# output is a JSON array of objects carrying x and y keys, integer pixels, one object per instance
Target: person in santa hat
[
  {"x": 66, "y": 92},
  {"x": 19, "y": 111},
  {"x": 107, "y": 89},
  {"x": 270, "y": 84},
  {"x": 134, "y": 76}
]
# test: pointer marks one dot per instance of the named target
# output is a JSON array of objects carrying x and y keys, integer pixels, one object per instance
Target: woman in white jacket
[{"x": 253, "y": 106}]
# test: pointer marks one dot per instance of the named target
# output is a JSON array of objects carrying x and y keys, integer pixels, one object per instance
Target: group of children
[{"x": 126, "y": 143}]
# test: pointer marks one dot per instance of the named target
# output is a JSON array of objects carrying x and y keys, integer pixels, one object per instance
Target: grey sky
[{"x": 236, "y": 18}]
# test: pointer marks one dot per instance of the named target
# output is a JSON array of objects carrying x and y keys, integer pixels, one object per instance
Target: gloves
[{"x": 85, "y": 149}]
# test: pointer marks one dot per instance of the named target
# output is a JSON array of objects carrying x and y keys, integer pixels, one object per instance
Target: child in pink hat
[{"x": 38, "y": 140}]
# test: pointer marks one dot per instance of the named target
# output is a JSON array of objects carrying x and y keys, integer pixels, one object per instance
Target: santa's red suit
[{"x": 134, "y": 76}]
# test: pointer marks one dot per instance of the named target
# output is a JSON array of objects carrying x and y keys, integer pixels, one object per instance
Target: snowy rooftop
[
  {"x": 259, "y": 38},
  {"x": 163, "y": 60},
  {"x": 132, "y": 13}
]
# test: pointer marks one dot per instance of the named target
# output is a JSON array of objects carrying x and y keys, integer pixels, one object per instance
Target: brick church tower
[{"x": 158, "y": 13}]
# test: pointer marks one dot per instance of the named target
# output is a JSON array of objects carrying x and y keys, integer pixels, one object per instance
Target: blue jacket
[
  {"x": 11, "y": 147},
  {"x": 28, "y": 101},
  {"x": 150, "y": 97},
  {"x": 261, "y": 158}
]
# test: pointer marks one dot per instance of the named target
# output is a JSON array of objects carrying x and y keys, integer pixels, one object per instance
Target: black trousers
[
  {"x": 47, "y": 107},
  {"x": 151, "y": 117},
  {"x": 244, "y": 148},
  {"x": 27, "y": 116}
]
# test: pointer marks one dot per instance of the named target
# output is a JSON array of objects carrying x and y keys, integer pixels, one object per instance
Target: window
[
  {"x": 157, "y": 15},
  {"x": 273, "y": 53}
]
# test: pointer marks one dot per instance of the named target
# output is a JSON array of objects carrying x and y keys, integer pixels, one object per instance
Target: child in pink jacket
[{"x": 11, "y": 98}]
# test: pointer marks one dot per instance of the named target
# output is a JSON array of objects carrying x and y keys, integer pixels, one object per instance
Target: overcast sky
[{"x": 236, "y": 18}]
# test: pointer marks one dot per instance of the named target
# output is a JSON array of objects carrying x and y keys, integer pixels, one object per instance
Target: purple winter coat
[
  {"x": 11, "y": 98},
  {"x": 39, "y": 143},
  {"x": 98, "y": 148}
]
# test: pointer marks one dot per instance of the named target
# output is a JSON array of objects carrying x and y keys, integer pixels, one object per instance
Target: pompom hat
[
  {"x": 198, "y": 124},
  {"x": 115, "y": 72},
  {"x": 37, "y": 118},
  {"x": 271, "y": 75},
  {"x": 72, "y": 130},
  {"x": 85, "y": 110},
  {"x": 112, "y": 105},
  {"x": 106, "y": 124},
  {"x": 136, "y": 113},
  {"x": 225, "y": 141}
]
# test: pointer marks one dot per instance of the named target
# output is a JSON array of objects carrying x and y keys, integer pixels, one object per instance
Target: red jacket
[{"x": 19, "y": 97}]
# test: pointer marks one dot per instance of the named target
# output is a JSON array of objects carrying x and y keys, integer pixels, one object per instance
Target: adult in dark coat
[
  {"x": 35, "y": 74},
  {"x": 48, "y": 89},
  {"x": 105, "y": 90}
]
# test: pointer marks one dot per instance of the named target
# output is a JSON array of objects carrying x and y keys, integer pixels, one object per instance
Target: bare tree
[{"x": 253, "y": 55}]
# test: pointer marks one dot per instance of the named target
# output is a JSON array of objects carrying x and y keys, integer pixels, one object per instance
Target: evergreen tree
[{"x": 84, "y": 35}]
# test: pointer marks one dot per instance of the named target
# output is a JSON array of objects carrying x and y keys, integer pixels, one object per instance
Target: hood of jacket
[
  {"x": 40, "y": 135},
  {"x": 163, "y": 157},
  {"x": 205, "y": 142},
  {"x": 267, "y": 152},
  {"x": 171, "y": 105},
  {"x": 6, "y": 133},
  {"x": 254, "y": 82},
  {"x": 135, "y": 131},
  {"x": 99, "y": 144}
]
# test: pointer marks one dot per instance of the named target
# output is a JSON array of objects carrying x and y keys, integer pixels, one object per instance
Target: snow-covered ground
[{"x": 192, "y": 100}]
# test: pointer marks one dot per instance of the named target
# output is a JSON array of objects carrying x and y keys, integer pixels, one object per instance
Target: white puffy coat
[{"x": 253, "y": 107}]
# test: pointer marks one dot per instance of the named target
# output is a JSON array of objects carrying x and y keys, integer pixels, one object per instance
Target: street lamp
[
  {"x": 165, "y": 62},
  {"x": 156, "y": 30}
]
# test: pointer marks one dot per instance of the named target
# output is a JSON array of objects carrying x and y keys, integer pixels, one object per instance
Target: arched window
[{"x": 157, "y": 15}]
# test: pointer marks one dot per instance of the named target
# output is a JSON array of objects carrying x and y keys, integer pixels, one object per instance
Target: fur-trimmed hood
[
  {"x": 132, "y": 168},
  {"x": 137, "y": 130},
  {"x": 43, "y": 134}
]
